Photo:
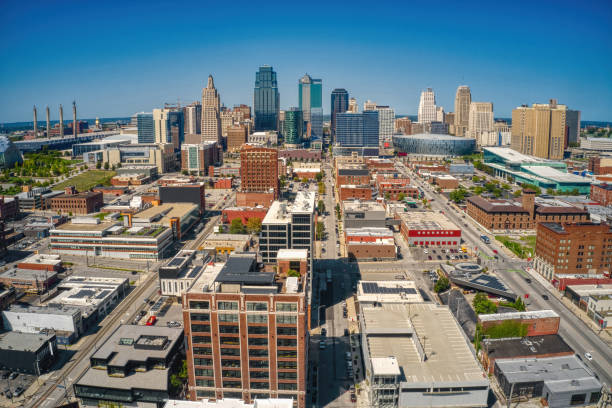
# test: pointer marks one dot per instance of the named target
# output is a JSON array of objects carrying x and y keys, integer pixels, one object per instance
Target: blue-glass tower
[
  {"x": 339, "y": 104},
  {"x": 357, "y": 129},
  {"x": 146, "y": 128},
  {"x": 310, "y": 101},
  {"x": 266, "y": 99}
]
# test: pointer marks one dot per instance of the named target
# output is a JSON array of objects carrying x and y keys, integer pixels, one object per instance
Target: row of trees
[{"x": 253, "y": 226}]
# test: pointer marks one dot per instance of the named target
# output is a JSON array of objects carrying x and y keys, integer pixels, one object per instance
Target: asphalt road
[{"x": 573, "y": 330}]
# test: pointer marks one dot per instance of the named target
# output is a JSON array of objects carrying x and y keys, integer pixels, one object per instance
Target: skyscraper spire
[
  {"x": 61, "y": 123},
  {"x": 74, "y": 121},
  {"x": 211, "y": 119},
  {"x": 211, "y": 82}
]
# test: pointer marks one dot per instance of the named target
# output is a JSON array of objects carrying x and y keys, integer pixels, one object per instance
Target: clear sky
[{"x": 116, "y": 58}]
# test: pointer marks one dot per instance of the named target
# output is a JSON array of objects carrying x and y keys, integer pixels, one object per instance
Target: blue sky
[{"x": 117, "y": 58}]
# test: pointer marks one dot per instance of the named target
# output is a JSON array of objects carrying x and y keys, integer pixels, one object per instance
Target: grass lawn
[
  {"x": 87, "y": 180},
  {"x": 516, "y": 246}
]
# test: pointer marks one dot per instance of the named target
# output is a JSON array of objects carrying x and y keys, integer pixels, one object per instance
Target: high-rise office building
[
  {"x": 211, "y": 119},
  {"x": 193, "y": 118},
  {"x": 146, "y": 127},
  {"x": 339, "y": 104},
  {"x": 168, "y": 127},
  {"x": 369, "y": 105},
  {"x": 258, "y": 170},
  {"x": 246, "y": 332},
  {"x": 463, "y": 98},
  {"x": 266, "y": 101},
  {"x": 245, "y": 111},
  {"x": 386, "y": 122},
  {"x": 427, "y": 106},
  {"x": 310, "y": 97},
  {"x": 227, "y": 120},
  {"x": 357, "y": 129},
  {"x": 353, "y": 107},
  {"x": 293, "y": 128},
  {"x": 403, "y": 126},
  {"x": 480, "y": 122},
  {"x": 573, "y": 127},
  {"x": 540, "y": 130},
  {"x": 440, "y": 114},
  {"x": 236, "y": 137}
]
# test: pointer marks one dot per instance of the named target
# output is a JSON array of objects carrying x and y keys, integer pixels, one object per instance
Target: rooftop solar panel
[
  {"x": 195, "y": 271},
  {"x": 372, "y": 287}
]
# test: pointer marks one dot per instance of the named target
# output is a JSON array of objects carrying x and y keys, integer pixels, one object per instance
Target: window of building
[
  {"x": 203, "y": 372},
  {"x": 257, "y": 318},
  {"x": 286, "y": 342},
  {"x": 258, "y": 330},
  {"x": 287, "y": 386},
  {"x": 258, "y": 364},
  {"x": 200, "y": 328},
  {"x": 202, "y": 350},
  {"x": 285, "y": 365},
  {"x": 230, "y": 351},
  {"x": 286, "y": 307},
  {"x": 205, "y": 383},
  {"x": 225, "y": 305},
  {"x": 578, "y": 399},
  {"x": 258, "y": 341},
  {"x": 204, "y": 317},
  {"x": 232, "y": 384},
  {"x": 280, "y": 319},
  {"x": 202, "y": 361},
  {"x": 257, "y": 306},
  {"x": 202, "y": 304},
  {"x": 286, "y": 331},
  {"x": 228, "y": 317}
]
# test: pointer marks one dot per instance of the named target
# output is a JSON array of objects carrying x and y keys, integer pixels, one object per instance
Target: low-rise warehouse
[
  {"x": 65, "y": 321},
  {"x": 428, "y": 229},
  {"x": 27, "y": 352}
]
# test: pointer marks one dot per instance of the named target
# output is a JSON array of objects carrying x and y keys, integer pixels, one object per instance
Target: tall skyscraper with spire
[
  {"x": 35, "y": 122},
  {"x": 266, "y": 99},
  {"x": 427, "y": 107},
  {"x": 74, "y": 121},
  {"x": 463, "y": 99},
  {"x": 61, "y": 121},
  {"x": 211, "y": 119},
  {"x": 339, "y": 104}
]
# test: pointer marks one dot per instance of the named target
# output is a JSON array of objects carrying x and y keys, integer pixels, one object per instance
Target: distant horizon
[{"x": 388, "y": 54}]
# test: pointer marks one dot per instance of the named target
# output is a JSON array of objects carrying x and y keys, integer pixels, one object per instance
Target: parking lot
[
  {"x": 13, "y": 385},
  {"x": 437, "y": 254}
]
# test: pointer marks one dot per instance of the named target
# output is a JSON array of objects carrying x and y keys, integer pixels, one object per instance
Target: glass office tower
[
  {"x": 310, "y": 99},
  {"x": 294, "y": 127},
  {"x": 146, "y": 128},
  {"x": 357, "y": 129},
  {"x": 339, "y": 104},
  {"x": 266, "y": 99}
]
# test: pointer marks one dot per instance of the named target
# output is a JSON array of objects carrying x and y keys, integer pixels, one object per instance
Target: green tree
[
  {"x": 442, "y": 284},
  {"x": 401, "y": 196},
  {"x": 505, "y": 186},
  {"x": 321, "y": 207},
  {"x": 184, "y": 172},
  {"x": 106, "y": 166},
  {"x": 517, "y": 193},
  {"x": 292, "y": 273},
  {"x": 475, "y": 179},
  {"x": 253, "y": 225},
  {"x": 320, "y": 230},
  {"x": 178, "y": 379},
  {"x": 387, "y": 196},
  {"x": 236, "y": 226},
  {"x": 304, "y": 180},
  {"x": 319, "y": 176},
  {"x": 321, "y": 188},
  {"x": 482, "y": 304},
  {"x": 338, "y": 210},
  {"x": 98, "y": 165}
]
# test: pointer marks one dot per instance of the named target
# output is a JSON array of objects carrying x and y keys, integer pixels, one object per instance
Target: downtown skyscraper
[
  {"x": 357, "y": 129},
  {"x": 427, "y": 107},
  {"x": 266, "y": 100},
  {"x": 310, "y": 98},
  {"x": 193, "y": 118},
  {"x": 463, "y": 98},
  {"x": 339, "y": 104},
  {"x": 211, "y": 119}
]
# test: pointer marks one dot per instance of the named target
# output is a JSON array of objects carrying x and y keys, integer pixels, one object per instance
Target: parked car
[
  {"x": 588, "y": 356},
  {"x": 353, "y": 397},
  {"x": 13, "y": 375},
  {"x": 545, "y": 297},
  {"x": 324, "y": 332}
]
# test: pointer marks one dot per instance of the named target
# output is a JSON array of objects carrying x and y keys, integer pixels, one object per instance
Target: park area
[
  {"x": 523, "y": 246},
  {"x": 87, "y": 180}
]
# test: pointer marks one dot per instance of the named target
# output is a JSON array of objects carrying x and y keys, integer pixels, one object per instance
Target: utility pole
[{"x": 510, "y": 397}]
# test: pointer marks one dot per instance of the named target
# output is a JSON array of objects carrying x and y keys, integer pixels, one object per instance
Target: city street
[{"x": 573, "y": 330}]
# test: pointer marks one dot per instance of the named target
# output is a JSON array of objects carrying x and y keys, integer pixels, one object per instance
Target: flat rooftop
[
  {"x": 28, "y": 274},
  {"x": 213, "y": 236},
  {"x": 513, "y": 156},
  {"x": 164, "y": 212},
  {"x": 562, "y": 374},
  {"x": 231, "y": 403},
  {"x": 18, "y": 341},
  {"x": 590, "y": 290},
  {"x": 536, "y": 314},
  {"x": 401, "y": 331},
  {"x": 368, "y": 232},
  {"x": 280, "y": 211},
  {"x": 86, "y": 226},
  {"x": 526, "y": 346},
  {"x": 290, "y": 254},
  {"x": 50, "y": 309},
  {"x": 396, "y": 291},
  {"x": 553, "y": 174},
  {"x": 356, "y": 205},
  {"x": 426, "y": 221}
]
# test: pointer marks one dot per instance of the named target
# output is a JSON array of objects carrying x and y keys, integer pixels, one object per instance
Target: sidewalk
[{"x": 604, "y": 335}]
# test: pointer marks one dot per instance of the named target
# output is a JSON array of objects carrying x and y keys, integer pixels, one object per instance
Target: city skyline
[{"x": 119, "y": 65}]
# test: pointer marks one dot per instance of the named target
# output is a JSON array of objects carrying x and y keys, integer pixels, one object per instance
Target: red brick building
[
  {"x": 292, "y": 259},
  {"x": 243, "y": 213},
  {"x": 562, "y": 281},
  {"x": 236, "y": 137},
  {"x": 428, "y": 229},
  {"x": 600, "y": 165},
  {"x": 116, "y": 191},
  {"x": 242, "y": 342},
  {"x": 350, "y": 192},
  {"x": 376, "y": 163},
  {"x": 370, "y": 243},
  {"x": 352, "y": 174},
  {"x": 580, "y": 248},
  {"x": 602, "y": 193},
  {"x": 522, "y": 214},
  {"x": 41, "y": 262},
  {"x": 9, "y": 207},
  {"x": 259, "y": 170},
  {"x": 445, "y": 182},
  {"x": 393, "y": 187},
  {"x": 223, "y": 183},
  {"x": 254, "y": 199},
  {"x": 77, "y": 203},
  {"x": 538, "y": 322}
]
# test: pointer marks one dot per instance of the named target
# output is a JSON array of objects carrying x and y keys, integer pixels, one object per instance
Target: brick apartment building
[
  {"x": 538, "y": 322},
  {"x": 376, "y": 163},
  {"x": 523, "y": 214},
  {"x": 9, "y": 207},
  {"x": 445, "y": 181},
  {"x": 602, "y": 193},
  {"x": 352, "y": 192},
  {"x": 259, "y": 169},
  {"x": 600, "y": 165},
  {"x": 236, "y": 137},
  {"x": 223, "y": 183},
  {"x": 352, "y": 174},
  {"x": 578, "y": 248},
  {"x": 393, "y": 187},
  {"x": 246, "y": 334},
  {"x": 77, "y": 203}
]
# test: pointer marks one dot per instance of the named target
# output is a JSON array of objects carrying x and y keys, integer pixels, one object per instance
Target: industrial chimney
[
  {"x": 74, "y": 122},
  {"x": 35, "y": 123},
  {"x": 61, "y": 124}
]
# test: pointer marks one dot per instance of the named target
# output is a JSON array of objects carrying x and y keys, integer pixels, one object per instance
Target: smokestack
[
  {"x": 35, "y": 123},
  {"x": 61, "y": 124},
  {"x": 48, "y": 123},
  {"x": 74, "y": 124}
]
